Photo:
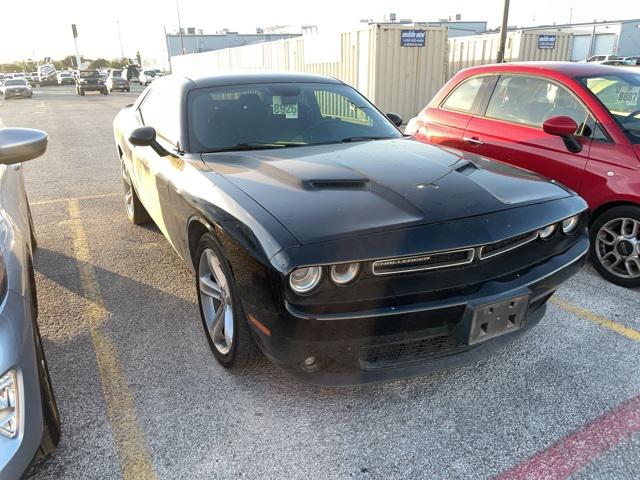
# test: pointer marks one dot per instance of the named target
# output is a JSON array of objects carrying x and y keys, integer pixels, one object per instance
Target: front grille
[
  {"x": 407, "y": 353},
  {"x": 423, "y": 262},
  {"x": 504, "y": 246},
  {"x": 451, "y": 258}
]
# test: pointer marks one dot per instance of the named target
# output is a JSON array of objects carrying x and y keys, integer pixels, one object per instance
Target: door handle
[{"x": 473, "y": 140}]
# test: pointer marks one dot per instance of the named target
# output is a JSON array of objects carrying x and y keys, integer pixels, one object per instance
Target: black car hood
[{"x": 327, "y": 191}]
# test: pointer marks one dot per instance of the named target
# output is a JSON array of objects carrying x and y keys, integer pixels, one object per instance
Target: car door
[
  {"x": 152, "y": 171},
  {"x": 511, "y": 128},
  {"x": 445, "y": 124}
]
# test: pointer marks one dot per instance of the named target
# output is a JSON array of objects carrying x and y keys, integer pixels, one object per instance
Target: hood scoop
[{"x": 337, "y": 184}]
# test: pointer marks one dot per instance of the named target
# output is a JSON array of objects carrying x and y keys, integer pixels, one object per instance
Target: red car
[{"x": 576, "y": 123}]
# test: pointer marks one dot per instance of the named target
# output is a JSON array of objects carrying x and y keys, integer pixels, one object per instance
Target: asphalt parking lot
[{"x": 141, "y": 396}]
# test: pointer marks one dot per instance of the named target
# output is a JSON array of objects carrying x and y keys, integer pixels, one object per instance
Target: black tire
[
  {"x": 625, "y": 211},
  {"x": 51, "y": 430},
  {"x": 244, "y": 352},
  {"x": 81, "y": 92},
  {"x": 105, "y": 92},
  {"x": 136, "y": 213},
  {"x": 128, "y": 89}
]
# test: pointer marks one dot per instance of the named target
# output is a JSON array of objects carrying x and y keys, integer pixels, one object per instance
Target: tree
[
  {"x": 11, "y": 67},
  {"x": 99, "y": 63},
  {"x": 116, "y": 63}
]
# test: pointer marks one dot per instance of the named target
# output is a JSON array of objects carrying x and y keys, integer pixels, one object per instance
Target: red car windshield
[{"x": 620, "y": 94}]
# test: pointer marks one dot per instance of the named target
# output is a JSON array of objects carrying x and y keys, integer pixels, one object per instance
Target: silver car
[
  {"x": 16, "y": 87},
  {"x": 29, "y": 419}
]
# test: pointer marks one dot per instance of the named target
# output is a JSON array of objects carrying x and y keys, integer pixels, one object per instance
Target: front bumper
[
  {"x": 395, "y": 342},
  {"x": 17, "y": 93},
  {"x": 92, "y": 88},
  {"x": 17, "y": 352}
]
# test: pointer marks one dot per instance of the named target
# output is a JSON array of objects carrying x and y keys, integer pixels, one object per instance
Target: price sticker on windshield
[
  {"x": 289, "y": 110},
  {"x": 628, "y": 95}
]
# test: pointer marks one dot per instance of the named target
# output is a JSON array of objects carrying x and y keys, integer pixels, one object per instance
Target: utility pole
[
  {"x": 75, "y": 43},
  {"x": 570, "y": 15},
  {"x": 120, "y": 39},
  {"x": 503, "y": 32},
  {"x": 180, "y": 28},
  {"x": 168, "y": 48}
]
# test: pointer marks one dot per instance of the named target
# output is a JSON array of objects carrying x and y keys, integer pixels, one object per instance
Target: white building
[{"x": 618, "y": 37}]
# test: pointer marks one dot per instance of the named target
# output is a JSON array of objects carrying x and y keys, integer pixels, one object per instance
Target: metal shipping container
[
  {"x": 522, "y": 46},
  {"x": 397, "y": 74}
]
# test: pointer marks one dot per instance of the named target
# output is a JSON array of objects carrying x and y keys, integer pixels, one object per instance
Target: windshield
[
  {"x": 282, "y": 114},
  {"x": 87, "y": 74},
  {"x": 620, "y": 94},
  {"x": 16, "y": 81},
  {"x": 116, "y": 73}
]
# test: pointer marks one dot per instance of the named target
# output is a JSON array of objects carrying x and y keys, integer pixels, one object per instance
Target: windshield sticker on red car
[{"x": 628, "y": 95}]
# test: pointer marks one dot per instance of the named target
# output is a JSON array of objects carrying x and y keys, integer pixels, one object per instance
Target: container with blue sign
[
  {"x": 546, "y": 41},
  {"x": 412, "y": 38}
]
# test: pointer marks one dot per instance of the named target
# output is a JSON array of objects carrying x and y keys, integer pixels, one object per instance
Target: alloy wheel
[
  {"x": 128, "y": 193},
  {"x": 215, "y": 298},
  {"x": 618, "y": 247}
]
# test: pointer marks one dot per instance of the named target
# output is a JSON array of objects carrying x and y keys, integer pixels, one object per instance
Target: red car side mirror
[
  {"x": 564, "y": 127},
  {"x": 560, "y": 126}
]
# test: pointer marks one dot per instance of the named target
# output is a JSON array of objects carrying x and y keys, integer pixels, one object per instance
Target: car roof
[
  {"x": 569, "y": 69},
  {"x": 241, "y": 78}
]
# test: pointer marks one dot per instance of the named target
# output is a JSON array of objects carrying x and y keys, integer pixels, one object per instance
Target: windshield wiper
[
  {"x": 362, "y": 139},
  {"x": 239, "y": 147}
]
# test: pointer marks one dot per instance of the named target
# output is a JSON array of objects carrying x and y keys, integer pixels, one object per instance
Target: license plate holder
[{"x": 491, "y": 319}]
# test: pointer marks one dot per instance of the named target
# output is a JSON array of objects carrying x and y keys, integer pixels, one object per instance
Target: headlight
[
  {"x": 570, "y": 224},
  {"x": 303, "y": 280},
  {"x": 9, "y": 414},
  {"x": 547, "y": 231},
  {"x": 344, "y": 273}
]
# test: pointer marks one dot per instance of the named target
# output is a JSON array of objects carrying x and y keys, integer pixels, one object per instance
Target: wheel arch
[
  {"x": 608, "y": 206},
  {"x": 197, "y": 226}
]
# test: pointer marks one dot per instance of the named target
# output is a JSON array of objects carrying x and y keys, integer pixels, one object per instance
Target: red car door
[
  {"x": 511, "y": 128},
  {"x": 444, "y": 122}
]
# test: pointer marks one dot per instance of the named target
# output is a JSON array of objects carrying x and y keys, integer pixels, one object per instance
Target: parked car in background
[
  {"x": 131, "y": 73},
  {"x": 65, "y": 78},
  {"x": 317, "y": 232},
  {"x": 146, "y": 77},
  {"x": 29, "y": 418},
  {"x": 602, "y": 59},
  {"x": 116, "y": 83},
  {"x": 576, "y": 123},
  {"x": 32, "y": 81},
  {"x": 159, "y": 72},
  {"x": 632, "y": 60},
  {"x": 89, "y": 81},
  {"x": 16, "y": 87}
]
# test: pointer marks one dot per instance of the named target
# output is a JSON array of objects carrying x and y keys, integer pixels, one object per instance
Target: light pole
[
  {"x": 503, "y": 31},
  {"x": 120, "y": 39},
  {"x": 180, "y": 28}
]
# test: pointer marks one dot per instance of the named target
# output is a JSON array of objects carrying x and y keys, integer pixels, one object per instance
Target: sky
[{"x": 44, "y": 28}]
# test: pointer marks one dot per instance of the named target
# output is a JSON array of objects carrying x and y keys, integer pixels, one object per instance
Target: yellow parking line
[
  {"x": 68, "y": 199},
  {"x": 129, "y": 439},
  {"x": 595, "y": 318}
]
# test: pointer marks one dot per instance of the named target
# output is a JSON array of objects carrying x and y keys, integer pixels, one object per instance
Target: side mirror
[
  {"x": 395, "y": 119},
  {"x": 21, "y": 144},
  {"x": 564, "y": 127},
  {"x": 146, "y": 137},
  {"x": 143, "y": 136}
]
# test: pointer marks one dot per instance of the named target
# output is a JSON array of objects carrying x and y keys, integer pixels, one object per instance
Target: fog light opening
[{"x": 310, "y": 364}]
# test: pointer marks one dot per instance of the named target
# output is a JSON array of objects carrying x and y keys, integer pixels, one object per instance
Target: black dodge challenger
[{"x": 322, "y": 236}]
